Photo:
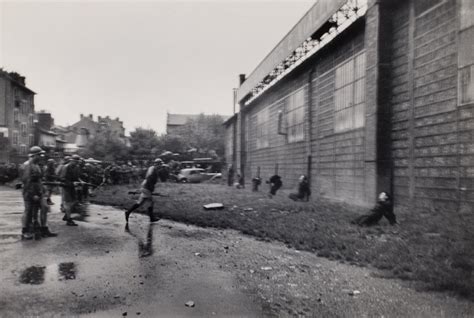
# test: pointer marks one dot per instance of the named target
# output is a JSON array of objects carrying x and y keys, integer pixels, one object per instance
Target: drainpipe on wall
[
  {"x": 242, "y": 141},
  {"x": 309, "y": 123}
]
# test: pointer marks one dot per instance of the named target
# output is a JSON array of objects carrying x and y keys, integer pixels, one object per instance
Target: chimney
[
  {"x": 82, "y": 116},
  {"x": 117, "y": 119},
  {"x": 107, "y": 117},
  {"x": 99, "y": 118},
  {"x": 241, "y": 79},
  {"x": 91, "y": 117}
]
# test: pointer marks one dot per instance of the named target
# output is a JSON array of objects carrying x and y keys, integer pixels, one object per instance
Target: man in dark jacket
[
  {"x": 275, "y": 184},
  {"x": 50, "y": 176},
  {"x": 33, "y": 196},
  {"x": 383, "y": 208},
  {"x": 70, "y": 177},
  {"x": 303, "y": 190}
]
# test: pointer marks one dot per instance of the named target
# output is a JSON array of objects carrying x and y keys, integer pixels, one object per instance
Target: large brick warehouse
[{"x": 365, "y": 96}]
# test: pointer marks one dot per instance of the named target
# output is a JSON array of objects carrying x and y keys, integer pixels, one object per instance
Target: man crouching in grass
[{"x": 146, "y": 191}]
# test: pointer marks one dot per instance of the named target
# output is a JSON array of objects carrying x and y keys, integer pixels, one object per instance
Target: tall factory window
[
  {"x": 31, "y": 140},
  {"x": 31, "y": 119},
  {"x": 467, "y": 14},
  {"x": 294, "y": 105},
  {"x": 349, "y": 94},
  {"x": 422, "y": 6},
  {"x": 262, "y": 128},
  {"x": 466, "y": 84},
  {"x": 15, "y": 137},
  {"x": 465, "y": 57}
]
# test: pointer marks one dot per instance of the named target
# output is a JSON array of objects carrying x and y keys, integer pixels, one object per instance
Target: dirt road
[{"x": 100, "y": 268}]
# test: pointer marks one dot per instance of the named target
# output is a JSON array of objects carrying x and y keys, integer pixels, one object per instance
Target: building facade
[
  {"x": 363, "y": 97},
  {"x": 17, "y": 111},
  {"x": 44, "y": 136}
]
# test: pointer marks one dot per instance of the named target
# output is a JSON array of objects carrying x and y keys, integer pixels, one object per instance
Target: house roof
[
  {"x": 16, "y": 82},
  {"x": 47, "y": 132}
]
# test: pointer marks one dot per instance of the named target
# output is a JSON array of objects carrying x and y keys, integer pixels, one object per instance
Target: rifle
[
  {"x": 19, "y": 186},
  {"x": 86, "y": 183},
  {"x": 156, "y": 194},
  {"x": 58, "y": 184}
]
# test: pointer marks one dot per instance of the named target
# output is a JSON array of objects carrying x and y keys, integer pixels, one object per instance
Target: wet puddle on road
[
  {"x": 37, "y": 275},
  {"x": 67, "y": 271},
  {"x": 33, "y": 275}
]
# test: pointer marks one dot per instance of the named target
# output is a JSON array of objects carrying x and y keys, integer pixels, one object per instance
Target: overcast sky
[{"x": 138, "y": 60}]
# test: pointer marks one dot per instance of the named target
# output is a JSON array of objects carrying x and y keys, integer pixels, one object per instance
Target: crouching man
[
  {"x": 383, "y": 208},
  {"x": 304, "y": 191}
]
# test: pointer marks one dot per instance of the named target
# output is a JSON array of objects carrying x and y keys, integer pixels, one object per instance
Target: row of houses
[
  {"x": 22, "y": 127},
  {"x": 364, "y": 96}
]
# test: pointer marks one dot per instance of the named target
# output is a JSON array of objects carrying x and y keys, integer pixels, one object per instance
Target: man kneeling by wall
[
  {"x": 304, "y": 191},
  {"x": 383, "y": 208}
]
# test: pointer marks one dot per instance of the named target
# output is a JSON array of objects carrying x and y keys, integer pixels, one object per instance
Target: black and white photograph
[{"x": 237, "y": 158}]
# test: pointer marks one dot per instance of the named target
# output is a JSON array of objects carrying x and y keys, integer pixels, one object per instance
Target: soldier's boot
[
  {"x": 37, "y": 231},
  {"x": 153, "y": 218},
  {"x": 26, "y": 234},
  {"x": 70, "y": 222},
  {"x": 45, "y": 232},
  {"x": 129, "y": 211}
]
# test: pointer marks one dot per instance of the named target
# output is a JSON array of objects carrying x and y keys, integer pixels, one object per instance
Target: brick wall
[
  {"x": 337, "y": 159},
  {"x": 431, "y": 135},
  {"x": 418, "y": 140}
]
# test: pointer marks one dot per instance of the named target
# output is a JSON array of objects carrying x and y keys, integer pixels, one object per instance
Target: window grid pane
[
  {"x": 349, "y": 94},
  {"x": 295, "y": 115}
]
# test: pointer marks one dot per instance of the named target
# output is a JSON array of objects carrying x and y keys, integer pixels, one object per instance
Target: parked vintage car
[{"x": 196, "y": 175}]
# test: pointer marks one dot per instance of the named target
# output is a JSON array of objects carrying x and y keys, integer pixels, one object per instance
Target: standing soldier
[
  {"x": 49, "y": 176},
  {"x": 32, "y": 193},
  {"x": 69, "y": 176},
  {"x": 59, "y": 173},
  {"x": 147, "y": 188}
]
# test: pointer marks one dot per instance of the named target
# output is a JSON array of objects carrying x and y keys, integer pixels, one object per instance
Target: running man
[{"x": 146, "y": 191}]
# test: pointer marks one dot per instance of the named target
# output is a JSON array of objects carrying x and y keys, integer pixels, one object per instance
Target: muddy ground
[{"x": 100, "y": 268}]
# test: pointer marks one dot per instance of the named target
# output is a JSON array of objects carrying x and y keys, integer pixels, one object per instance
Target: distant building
[
  {"x": 45, "y": 136},
  {"x": 17, "y": 109},
  {"x": 176, "y": 122},
  {"x": 79, "y": 134}
]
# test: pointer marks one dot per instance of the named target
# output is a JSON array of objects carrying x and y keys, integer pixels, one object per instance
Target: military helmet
[
  {"x": 158, "y": 161},
  {"x": 35, "y": 150},
  {"x": 76, "y": 157}
]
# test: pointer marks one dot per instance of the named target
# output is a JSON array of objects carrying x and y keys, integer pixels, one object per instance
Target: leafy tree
[
  {"x": 206, "y": 133},
  {"x": 144, "y": 142},
  {"x": 171, "y": 143},
  {"x": 106, "y": 147}
]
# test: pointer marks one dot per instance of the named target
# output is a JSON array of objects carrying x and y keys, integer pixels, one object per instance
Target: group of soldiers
[
  {"x": 74, "y": 177},
  {"x": 40, "y": 176}
]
